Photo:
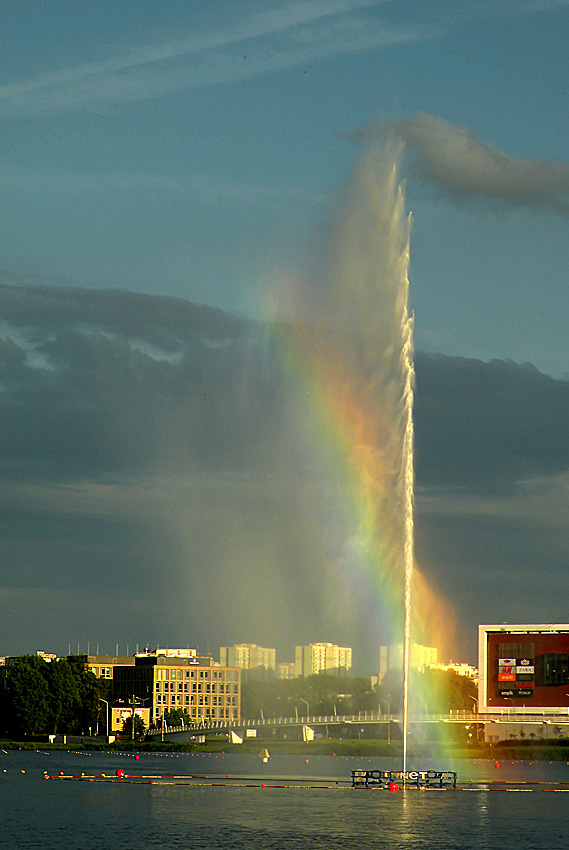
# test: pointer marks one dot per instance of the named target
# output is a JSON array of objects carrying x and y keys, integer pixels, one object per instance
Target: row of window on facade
[
  {"x": 197, "y": 687},
  {"x": 176, "y": 699},
  {"x": 166, "y": 674}
]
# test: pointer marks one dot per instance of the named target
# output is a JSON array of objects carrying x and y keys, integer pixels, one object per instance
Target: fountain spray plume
[{"x": 353, "y": 330}]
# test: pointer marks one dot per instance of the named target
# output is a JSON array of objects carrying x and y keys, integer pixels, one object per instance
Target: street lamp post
[
  {"x": 388, "y": 719},
  {"x": 106, "y": 716},
  {"x": 307, "y": 707},
  {"x": 477, "y": 729},
  {"x": 134, "y": 701}
]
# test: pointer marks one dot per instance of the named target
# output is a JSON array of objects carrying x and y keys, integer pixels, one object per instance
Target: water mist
[{"x": 355, "y": 332}]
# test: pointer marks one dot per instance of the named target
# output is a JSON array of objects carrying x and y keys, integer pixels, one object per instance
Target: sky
[{"x": 163, "y": 169}]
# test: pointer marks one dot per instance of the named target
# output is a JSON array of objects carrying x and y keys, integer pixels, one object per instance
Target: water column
[{"x": 354, "y": 330}]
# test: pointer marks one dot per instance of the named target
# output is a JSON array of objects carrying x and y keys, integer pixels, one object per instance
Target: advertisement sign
[
  {"x": 507, "y": 662},
  {"x": 527, "y": 668},
  {"x": 506, "y": 677}
]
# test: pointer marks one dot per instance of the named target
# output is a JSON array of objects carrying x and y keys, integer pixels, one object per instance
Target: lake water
[{"x": 81, "y": 815}]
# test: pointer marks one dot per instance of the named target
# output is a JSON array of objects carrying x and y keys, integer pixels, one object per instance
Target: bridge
[
  {"x": 252, "y": 726},
  {"x": 357, "y": 723}
]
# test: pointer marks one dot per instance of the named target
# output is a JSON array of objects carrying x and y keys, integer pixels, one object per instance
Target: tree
[
  {"x": 139, "y": 727},
  {"x": 57, "y": 696},
  {"x": 26, "y": 699},
  {"x": 177, "y": 717},
  {"x": 63, "y": 695}
]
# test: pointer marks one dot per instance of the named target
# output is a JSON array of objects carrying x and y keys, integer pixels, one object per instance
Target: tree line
[
  {"x": 39, "y": 697},
  {"x": 432, "y": 691}
]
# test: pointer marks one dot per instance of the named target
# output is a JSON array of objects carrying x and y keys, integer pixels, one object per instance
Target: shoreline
[{"x": 330, "y": 747}]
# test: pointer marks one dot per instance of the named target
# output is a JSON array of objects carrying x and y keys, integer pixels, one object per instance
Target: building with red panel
[{"x": 524, "y": 669}]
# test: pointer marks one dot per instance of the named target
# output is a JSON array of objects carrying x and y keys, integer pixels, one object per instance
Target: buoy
[
  {"x": 306, "y": 761},
  {"x": 497, "y": 764},
  {"x": 136, "y": 758},
  {"x": 120, "y": 773},
  {"x": 393, "y": 787},
  {"x": 22, "y": 771}
]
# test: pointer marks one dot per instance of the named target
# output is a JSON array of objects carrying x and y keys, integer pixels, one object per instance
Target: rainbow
[{"x": 343, "y": 355}]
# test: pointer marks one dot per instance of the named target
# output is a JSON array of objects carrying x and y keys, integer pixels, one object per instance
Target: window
[{"x": 555, "y": 666}]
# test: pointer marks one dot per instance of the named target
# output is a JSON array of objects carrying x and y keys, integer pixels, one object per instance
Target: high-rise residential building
[
  {"x": 322, "y": 658},
  {"x": 286, "y": 670},
  {"x": 247, "y": 656},
  {"x": 391, "y": 658}
]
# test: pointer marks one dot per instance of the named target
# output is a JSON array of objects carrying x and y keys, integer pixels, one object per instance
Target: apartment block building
[
  {"x": 322, "y": 658},
  {"x": 391, "y": 658},
  {"x": 247, "y": 656}
]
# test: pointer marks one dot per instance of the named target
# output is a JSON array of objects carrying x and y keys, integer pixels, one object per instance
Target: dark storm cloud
[
  {"x": 106, "y": 381},
  {"x": 452, "y": 159},
  {"x": 158, "y": 470},
  {"x": 484, "y": 427}
]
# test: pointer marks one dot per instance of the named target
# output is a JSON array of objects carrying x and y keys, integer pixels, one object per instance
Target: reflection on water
[{"x": 66, "y": 814}]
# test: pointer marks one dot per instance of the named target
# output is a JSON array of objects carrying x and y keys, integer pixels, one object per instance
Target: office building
[{"x": 194, "y": 684}]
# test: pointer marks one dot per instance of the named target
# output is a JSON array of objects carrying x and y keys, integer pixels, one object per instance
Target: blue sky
[
  {"x": 155, "y": 156},
  {"x": 192, "y": 149}
]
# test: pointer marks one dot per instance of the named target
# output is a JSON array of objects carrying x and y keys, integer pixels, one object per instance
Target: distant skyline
[{"x": 164, "y": 168}]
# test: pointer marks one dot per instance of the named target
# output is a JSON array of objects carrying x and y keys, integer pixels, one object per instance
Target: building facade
[
  {"x": 322, "y": 658},
  {"x": 524, "y": 669},
  {"x": 391, "y": 658},
  {"x": 164, "y": 683},
  {"x": 458, "y": 667},
  {"x": 103, "y": 665},
  {"x": 247, "y": 656}
]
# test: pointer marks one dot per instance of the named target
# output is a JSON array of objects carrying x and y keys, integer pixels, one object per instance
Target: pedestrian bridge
[{"x": 358, "y": 722}]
